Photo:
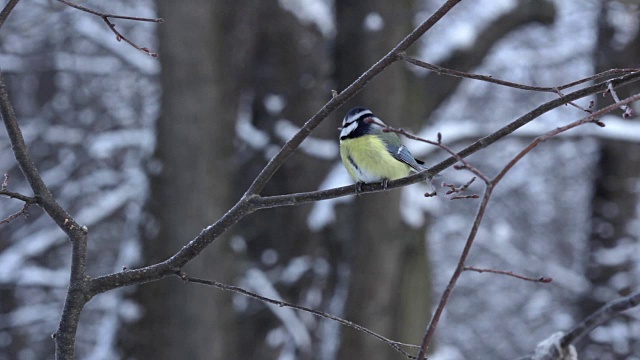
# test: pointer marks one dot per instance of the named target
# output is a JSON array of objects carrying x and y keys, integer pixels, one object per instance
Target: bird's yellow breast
[{"x": 367, "y": 160}]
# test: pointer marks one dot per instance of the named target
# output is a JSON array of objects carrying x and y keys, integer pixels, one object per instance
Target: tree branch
[
  {"x": 7, "y": 10},
  {"x": 541, "y": 279},
  {"x": 394, "y": 344},
  {"x": 469, "y": 57},
  {"x": 105, "y": 17},
  {"x": 490, "y": 79},
  {"x": 18, "y": 196},
  {"x": 15, "y": 215},
  {"x": 77, "y": 294}
]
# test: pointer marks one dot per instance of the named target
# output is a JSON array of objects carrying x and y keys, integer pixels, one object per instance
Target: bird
[{"x": 371, "y": 154}]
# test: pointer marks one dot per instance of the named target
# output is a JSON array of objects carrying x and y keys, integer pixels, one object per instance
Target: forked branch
[{"x": 106, "y": 16}]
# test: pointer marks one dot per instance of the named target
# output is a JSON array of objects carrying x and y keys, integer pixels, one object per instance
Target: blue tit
[{"x": 370, "y": 154}]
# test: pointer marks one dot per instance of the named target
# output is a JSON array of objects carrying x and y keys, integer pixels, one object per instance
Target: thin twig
[
  {"x": 394, "y": 344},
  {"x": 628, "y": 111},
  {"x": 544, "y": 280},
  {"x": 431, "y": 328},
  {"x": 557, "y": 90},
  {"x": 18, "y": 196},
  {"x": 487, "y": 78},
  {"x": 28, "y": 200},
  {"x": 579, "y": 107},
  {"x": 23, "y": 211},
  {"x": 7, "y": 10},
  {"x": 106, "y": 16}
]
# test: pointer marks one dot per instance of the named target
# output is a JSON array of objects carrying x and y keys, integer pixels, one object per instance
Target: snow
[
  {"x": 94, "y": 29},
  {"x": 319, "y": 148},
  {"x": 317, "y": 12},
  {"x": 269, "y": 257},
  {"x": 257, "y": 281},
  {"x": 274, "y": 103},
  {"x": 245, "y": 131},
  {"x": 552, "y": 342},
  {"x": 322, "y": 213},
  {"x": 238, "y": 244},
  {"x": 330, "y": 330},
  {"x": 373, "y": 22},
  {"x": 103, "y": 145},
  {"x": 295, "y": 269}
]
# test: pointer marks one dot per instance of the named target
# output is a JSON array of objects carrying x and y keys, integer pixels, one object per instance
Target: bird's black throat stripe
[{"x": 360, "y": 130}]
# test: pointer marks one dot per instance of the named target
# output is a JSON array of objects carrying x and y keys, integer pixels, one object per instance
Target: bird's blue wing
[{"x": 401, "y": 153}]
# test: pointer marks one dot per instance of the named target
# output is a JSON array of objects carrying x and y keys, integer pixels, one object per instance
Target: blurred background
[{"x": 146, "y": 152}]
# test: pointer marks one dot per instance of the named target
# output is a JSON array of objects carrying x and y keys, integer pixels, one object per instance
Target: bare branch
[
  {"x": 7, "y": 10},
  {"x": 18, "y": 196},
  {"x": 628, "y": 111},
  {"x": 11, "y": 217},
  {"x": 431, "y": 328},
  {"x": 394, "y": 344},
  {"x": 488, "y": 78},
  {"x": 106, "y": 16},
  {"x": 544, "y": 280},
  {"x": 28, "y": 200}
]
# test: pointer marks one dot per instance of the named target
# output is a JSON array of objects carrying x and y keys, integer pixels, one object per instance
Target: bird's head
[{"x": 355, "y": 123}]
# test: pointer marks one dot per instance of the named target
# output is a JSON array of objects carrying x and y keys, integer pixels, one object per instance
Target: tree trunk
[
  {"x": 192, "y": 188},
  {"x": 389, "y": 290},
  {"x": 614, "y": 210}
]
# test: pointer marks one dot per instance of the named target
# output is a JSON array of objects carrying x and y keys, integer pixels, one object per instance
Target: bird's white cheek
[{"x": 348, "y": 129}]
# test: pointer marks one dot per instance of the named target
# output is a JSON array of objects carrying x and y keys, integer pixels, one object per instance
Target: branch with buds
[{"x": 119, "y": 37}]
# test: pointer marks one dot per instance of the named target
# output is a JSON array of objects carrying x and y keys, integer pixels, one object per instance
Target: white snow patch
[
  {"x": 258, "y": 281},
  {"x": 104, "y": 144},
  {"x": 274, "y": 103},
  {"x": 100, "y": 34},
  {"x": 553, "y": 341},
  {"x": 322, "y": 213},
  {"x": 317, "y": 12},
  {"x": 249, "y": 134},
  {"x": 373, "y": 22},
  {"x": 319, "y": 148}
]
